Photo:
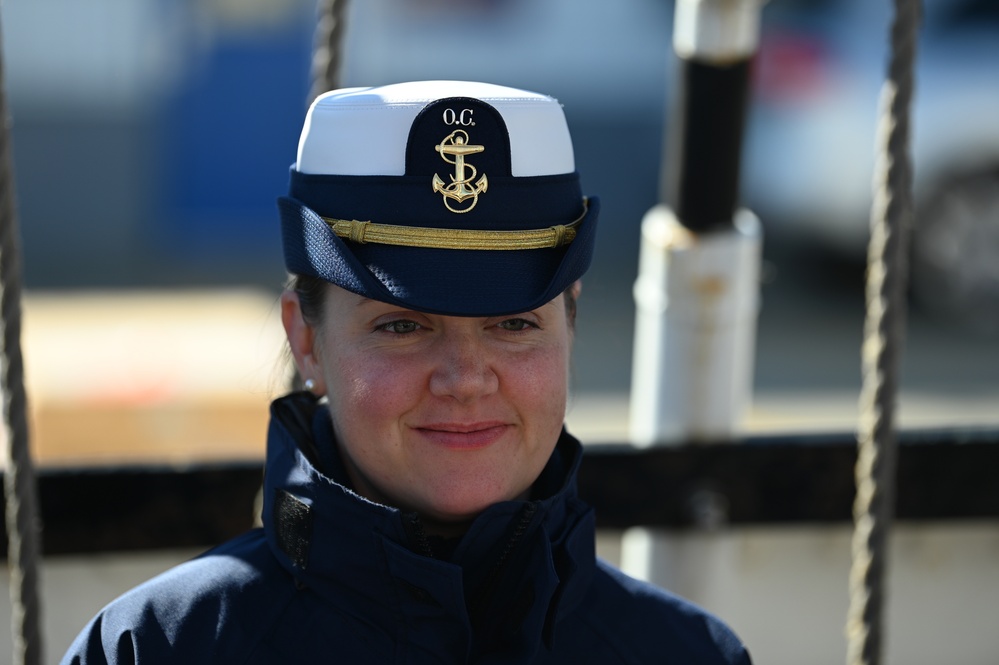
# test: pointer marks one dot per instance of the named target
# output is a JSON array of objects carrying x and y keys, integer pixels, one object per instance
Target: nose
[{"x": 462, "y": 369}]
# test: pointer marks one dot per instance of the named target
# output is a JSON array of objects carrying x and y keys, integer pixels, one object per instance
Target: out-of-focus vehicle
[{"x": 810, "y": 145}]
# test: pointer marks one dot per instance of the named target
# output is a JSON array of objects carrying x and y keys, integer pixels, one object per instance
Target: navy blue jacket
[{"x": 334, "y": 578}]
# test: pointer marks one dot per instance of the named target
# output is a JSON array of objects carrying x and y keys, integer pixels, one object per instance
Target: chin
[{"x": 464, "y": 505}]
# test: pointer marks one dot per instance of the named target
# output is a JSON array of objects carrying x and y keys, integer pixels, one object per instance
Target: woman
[{"x": 420, "y": 502}]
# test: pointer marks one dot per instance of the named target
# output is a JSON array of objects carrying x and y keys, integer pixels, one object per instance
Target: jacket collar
[{"x": 521, "y": 566}]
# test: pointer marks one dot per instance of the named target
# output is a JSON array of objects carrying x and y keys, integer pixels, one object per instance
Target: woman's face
[{"x": 443, "y": 415}]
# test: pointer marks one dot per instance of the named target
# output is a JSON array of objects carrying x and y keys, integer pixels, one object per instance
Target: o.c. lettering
[{"x": 463, "y": 118}]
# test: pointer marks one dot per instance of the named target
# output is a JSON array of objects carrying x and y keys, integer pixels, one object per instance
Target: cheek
[
  {"x": 363, "y": 384},
  {"x": 539, "y": 383},
  {"x": 546, "y": 376}
]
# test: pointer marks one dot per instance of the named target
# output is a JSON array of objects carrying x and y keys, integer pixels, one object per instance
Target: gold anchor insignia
[{"x": 461, "y": 188}]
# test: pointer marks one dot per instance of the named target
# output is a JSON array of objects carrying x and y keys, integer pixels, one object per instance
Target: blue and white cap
[{"x": 448, "y": 197}]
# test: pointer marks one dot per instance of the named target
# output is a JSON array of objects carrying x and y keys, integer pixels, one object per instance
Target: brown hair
[{"x": 311, "y": 294}]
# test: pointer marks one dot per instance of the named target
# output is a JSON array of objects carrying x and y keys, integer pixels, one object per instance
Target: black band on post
[{"x": 701, "y": 184}]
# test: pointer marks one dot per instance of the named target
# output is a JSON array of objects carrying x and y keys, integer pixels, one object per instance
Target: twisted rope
[
  {"x": 887, "y": 269},
  {"x": 19, "y": 478},
  {"x": 327, "y": 54},
  {"x": 327, "y": 57}
]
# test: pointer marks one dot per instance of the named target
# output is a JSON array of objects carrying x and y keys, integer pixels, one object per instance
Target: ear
[
  {"x": 577, "y": 288},
  {"x": 302, "y": 340}
]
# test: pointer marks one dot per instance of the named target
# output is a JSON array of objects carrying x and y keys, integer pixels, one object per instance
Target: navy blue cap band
[
  {"x": 512, "y": 204},
  {"x": 441, "y": 281}
]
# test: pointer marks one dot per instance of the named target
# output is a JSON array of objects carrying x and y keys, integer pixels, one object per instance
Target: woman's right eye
[{"x": 400, "y": 327}]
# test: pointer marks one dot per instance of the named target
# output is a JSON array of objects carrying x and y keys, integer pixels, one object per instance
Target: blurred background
[{"x": 152, "y": 137}]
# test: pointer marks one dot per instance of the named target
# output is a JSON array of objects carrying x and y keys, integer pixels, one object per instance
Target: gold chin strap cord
[{"x": 432, "y": 238}]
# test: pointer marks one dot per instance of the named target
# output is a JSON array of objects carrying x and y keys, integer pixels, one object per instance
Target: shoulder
[
  {"x": 180, "y": 614},
  {"x": 643, "y": 623}
]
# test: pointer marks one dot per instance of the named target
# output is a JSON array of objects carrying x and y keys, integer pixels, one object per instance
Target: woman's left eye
[{"x": 516, "y": 325}]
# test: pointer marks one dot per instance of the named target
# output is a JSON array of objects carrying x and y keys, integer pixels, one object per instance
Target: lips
[{"x": 463, "y": 435}]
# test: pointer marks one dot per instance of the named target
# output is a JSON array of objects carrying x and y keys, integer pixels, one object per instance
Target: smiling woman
[
  {"x": 430, "y": 410},
  {"x": 420, "y": 495}
]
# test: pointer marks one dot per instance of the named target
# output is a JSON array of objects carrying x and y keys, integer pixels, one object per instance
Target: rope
[
  {"x": 327, "y": 54},
  {"x": 884, "y": 336},
  {"x": 19, "y": 478}
]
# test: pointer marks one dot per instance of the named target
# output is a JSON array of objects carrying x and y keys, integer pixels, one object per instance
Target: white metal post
[
  {"x": 696, "y": 303},
  {"x": 697, "y": 291}
]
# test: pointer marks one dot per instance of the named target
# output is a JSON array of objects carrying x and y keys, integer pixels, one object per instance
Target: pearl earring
[{"x": 309, "y": 385}]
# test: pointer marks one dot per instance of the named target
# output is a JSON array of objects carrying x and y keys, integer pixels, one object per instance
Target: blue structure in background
[{"x": 226, "y": 139}]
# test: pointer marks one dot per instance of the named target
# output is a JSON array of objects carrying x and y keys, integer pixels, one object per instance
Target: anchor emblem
[{"x": 461, "y": 188}]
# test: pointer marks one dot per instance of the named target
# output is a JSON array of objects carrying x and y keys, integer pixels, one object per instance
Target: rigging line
[
  {"x": 884, "y": 336},
  {"x": 327, "y": 67},
  {"x": 20, "y": 491},
  {"x": 327, "y": 54}
]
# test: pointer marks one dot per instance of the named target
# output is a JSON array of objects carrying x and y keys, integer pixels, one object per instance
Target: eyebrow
[{"x": 364, "y": 300}]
